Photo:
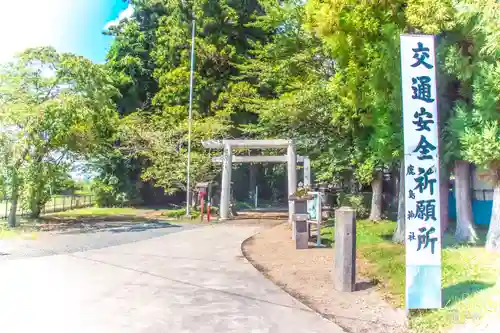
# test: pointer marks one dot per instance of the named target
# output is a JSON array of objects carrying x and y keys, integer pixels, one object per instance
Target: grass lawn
[
  {"x": 470, "y": 276},
  {"x": 139, "y": 214},
  {"x": 99, "y": 212}
]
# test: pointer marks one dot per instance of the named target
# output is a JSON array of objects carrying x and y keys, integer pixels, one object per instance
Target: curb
[{"x": 293, "y": 295}]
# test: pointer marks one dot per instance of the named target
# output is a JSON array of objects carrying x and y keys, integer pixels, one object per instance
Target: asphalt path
[
  {"x": 86, "y": 237},
  {"x": 195, "y": 281}
]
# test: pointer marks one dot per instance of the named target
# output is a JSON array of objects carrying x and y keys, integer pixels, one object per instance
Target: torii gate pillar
[
  {"x": 227, "y": 166},
  {"x": 292, "y": 178},
  {"x": 307, "y": 172}
]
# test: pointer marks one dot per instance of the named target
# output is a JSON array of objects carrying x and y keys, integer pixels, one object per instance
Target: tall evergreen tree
[
  {"x": 162, "y": 29},
  {"x": 291, "y": 75},
  {"x": 363, "y": 38}
]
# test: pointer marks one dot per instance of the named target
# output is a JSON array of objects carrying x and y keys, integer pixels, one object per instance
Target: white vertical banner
[{"x": 421, "y": 151}]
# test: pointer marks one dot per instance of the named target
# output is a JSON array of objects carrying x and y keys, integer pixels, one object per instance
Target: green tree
[
  {"x": 130, "y": 58},
  {"x": 363, "y": 38},
  {"x": 476, "y": 118},
  {"x": 117, "y": 178},
  {"x": 162, "y": 140},
  {"x": 440, "y": 17},
  {"x": 151, "y": 55},
  {"x": 54, "y": 108},
  {"x": 131, "y": 65},
  {"x": 468, "y": 52},
  {"x": 290, "y": 74}
]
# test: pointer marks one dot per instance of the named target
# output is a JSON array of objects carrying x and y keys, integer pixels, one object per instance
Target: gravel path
[
  {"x": 307, "y": 274},
  {"x": 86, "y": 237}
]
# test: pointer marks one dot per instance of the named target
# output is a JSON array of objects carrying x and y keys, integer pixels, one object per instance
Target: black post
[{"x": 299, "y": 219}]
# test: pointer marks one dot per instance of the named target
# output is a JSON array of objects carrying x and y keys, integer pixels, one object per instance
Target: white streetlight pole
[{"x": 190, "y": 121}]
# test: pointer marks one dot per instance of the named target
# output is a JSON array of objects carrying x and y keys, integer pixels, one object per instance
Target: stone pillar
[
  {"x": 226, "y": 182},
  {"x": 292, "y": 179},
  {"x": 345, "y": 250},
  {"x": 307, "y": 171}
]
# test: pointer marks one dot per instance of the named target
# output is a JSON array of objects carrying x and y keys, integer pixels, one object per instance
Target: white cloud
[
  {"x": 31, "y": 23},
  {"x": 125, "y": 14}
]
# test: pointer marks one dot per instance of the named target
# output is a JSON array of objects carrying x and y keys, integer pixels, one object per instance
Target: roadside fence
[{"x": 58, "y": 203}]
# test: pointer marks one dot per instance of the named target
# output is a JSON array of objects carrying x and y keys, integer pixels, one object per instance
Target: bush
[
  {"x": 107, "y": 196},
  {"x": 181, "y": 212},
  {"x": 178, "y": 213},
  {"x": 359, "y": 202}
]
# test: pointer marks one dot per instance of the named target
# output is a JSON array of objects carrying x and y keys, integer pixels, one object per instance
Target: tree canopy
[{"x": 54, "y": 109}]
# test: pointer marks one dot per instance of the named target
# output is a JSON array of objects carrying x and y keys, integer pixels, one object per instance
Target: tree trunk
[
  {"x": 14, "y": 200},
  {"x": 444, "y": 191},
  {"x": 399, "y": 234},
  {"x": 35, "y": 211},
  {"x": 376, "y": 209},
  {"x": 36, "y": 206},
  {"x": 465, "y": 222},
  {"x": 35, "y": 202},
  {"x": 493, "y": 238},
  {"x": 194, "y": 199}
]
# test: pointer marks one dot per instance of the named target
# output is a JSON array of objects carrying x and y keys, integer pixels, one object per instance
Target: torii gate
[{"x": 227, "y": 160}]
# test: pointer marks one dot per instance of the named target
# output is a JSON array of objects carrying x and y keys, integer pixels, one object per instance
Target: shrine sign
[{"x": 423, "y": 232}]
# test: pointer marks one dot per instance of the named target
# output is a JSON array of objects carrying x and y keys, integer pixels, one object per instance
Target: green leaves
[
  {"x": 363, "y": 38},
  {"x": 162, "y": 140},
  {"x": 54, "y": 108},
  {"x": 151, "y": 58},
  {"x": 482, "y": 145},
  {"x": 324, "y": 72},
  {"x": 473, "y": 62},
  {"x": 476, "y": 125},
  {"x": 431, "y": 16}
]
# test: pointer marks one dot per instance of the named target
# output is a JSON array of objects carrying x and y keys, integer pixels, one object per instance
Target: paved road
[
  {"x": 191, "y": 281},
  {"x": 87, "y": 237}
]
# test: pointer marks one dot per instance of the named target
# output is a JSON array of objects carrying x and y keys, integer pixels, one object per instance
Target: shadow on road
[
  {"x": 95, "y": 223},
  {"x": 143, "y": 227},
  {"x": 117, "y": 227}
]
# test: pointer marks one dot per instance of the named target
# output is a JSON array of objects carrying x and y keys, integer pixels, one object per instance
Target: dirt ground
[{"x": 307, "y": 275}]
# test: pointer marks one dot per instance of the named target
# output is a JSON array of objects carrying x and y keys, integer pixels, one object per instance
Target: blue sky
[{"x": 68, "y": 25}]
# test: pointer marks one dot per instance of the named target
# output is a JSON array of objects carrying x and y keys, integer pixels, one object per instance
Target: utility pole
[{"x": 190, "y": 123}]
